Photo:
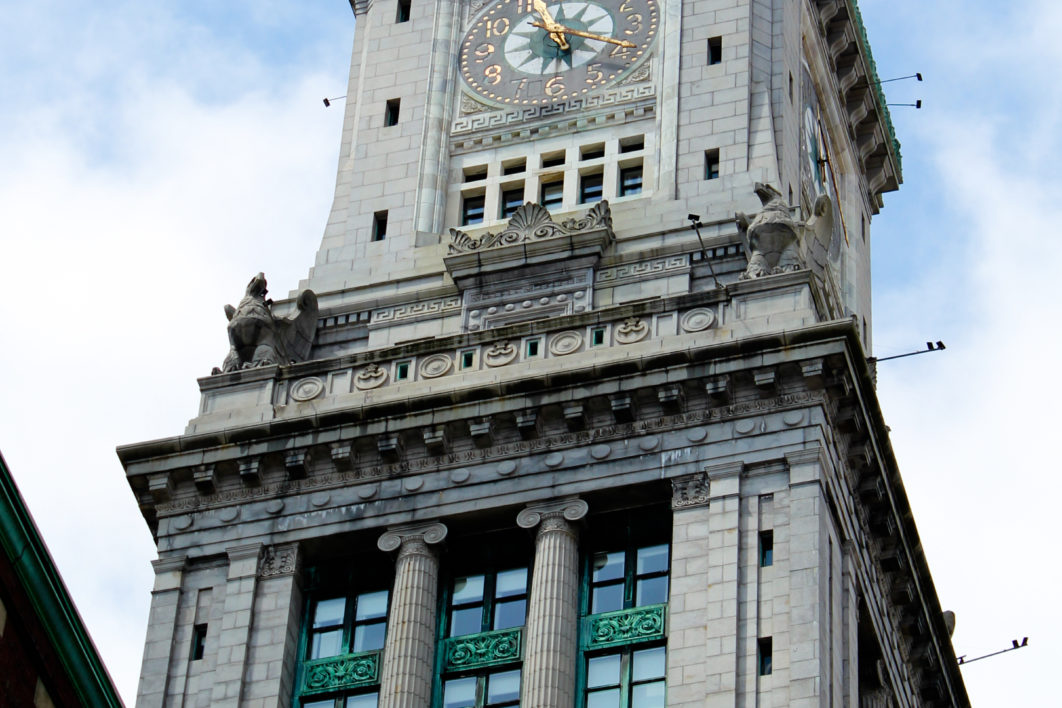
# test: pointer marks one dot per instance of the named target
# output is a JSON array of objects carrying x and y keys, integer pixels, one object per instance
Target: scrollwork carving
[
  {"x": 398, "y": 536},
  {"x": 341, "y": 672},
  {"x": 570, "y": 509},
  {"x": 278, "y": 560},
  {"x": 531, "y": 222},
  {"x": 372, "y": 376},
  {"x": 689, "y": 490},
  {"x": 484, "y": 649},
  {"x": 625, "y": 626},
  {"x": 633, "y": 329}
]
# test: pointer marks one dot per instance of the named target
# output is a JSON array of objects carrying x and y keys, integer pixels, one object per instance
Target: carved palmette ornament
[
  {"x": 633, "y": 329},
  {"x": 372, "y": 376},
  {"x": 531, "y": 222}
]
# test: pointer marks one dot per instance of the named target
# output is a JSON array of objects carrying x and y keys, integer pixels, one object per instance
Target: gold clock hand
[
  {"x": 550, "y": 24},
  {"x": 587, "y": 35}
]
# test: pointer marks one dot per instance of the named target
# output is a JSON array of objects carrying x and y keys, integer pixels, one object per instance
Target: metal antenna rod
[
  {"x": 1014, "y": 645},
  {"x": 695, "y": 219}
]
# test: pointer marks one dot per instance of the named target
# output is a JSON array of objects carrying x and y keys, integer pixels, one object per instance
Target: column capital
[
  {"x": 397, "y": 536},
  {"x": 570, "y": 509},
  {"x": 690, "y": 490},
  {"x": 279, "y": 560}
]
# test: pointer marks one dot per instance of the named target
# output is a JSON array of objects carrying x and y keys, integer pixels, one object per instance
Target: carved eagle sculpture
[
  {"x": 258, "y": 338},
  {"x": 775, "y": 242}
]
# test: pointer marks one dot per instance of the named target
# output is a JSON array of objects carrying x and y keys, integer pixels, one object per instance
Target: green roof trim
[
  {"x": 33, "y": 566},
  {"x": 875, "y": 81}
]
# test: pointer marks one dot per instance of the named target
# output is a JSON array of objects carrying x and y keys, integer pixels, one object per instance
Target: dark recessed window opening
[
  {"x": 863, "y": 227},
  {"x": 472, "y": 210},
  {"x": 766, "y": 548},
  {"x": 592, "y": 152},
  {"x": 552, "y": 194},
  {"x": 391, "y": 112},
  {"x": 711, "y": 164},
  {"x": 632, "y": 144},
  {"x": 630, "y": 180},
  {"x": 379, "y": 226},
  {"x": 401, "y": 371},
  {"x": 532, "y": 347},
  {"x": 199, "y": 633},
  {"x": 403, "y": 11},
  {"x": 591, "y": 188},
  {"x": 597, "y": 336},
  {"x": 468, "y": 359},
  {"x": 512, "y": 199},
  {"x": 555, "y": 159},
  {"x": 475, "y": 174},
  {"x": 790, "y": 87},
  {"x": 514, "y": 168},
  {"x": 766, "y": 658},
  {"x": 715, "y": 50}
]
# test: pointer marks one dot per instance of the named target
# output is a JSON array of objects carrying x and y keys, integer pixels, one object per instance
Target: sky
[{"x": 155, "y": 155}]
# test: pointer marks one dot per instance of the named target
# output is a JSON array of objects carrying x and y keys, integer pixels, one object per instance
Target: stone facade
[{"x": 571, "y": 453}]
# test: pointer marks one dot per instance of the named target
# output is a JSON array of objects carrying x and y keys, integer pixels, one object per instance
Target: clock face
[{"x": 535, "y": 52}]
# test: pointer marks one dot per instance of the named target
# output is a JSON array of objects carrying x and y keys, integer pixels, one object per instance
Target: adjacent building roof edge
[{"x": 34, "y": 567}]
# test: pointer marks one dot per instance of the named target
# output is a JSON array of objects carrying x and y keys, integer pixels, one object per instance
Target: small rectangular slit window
[
  {"x": 766, "y": 548},
  {"x": 531, "y": 348},
  {"x": 199, "y": 633},
  {"x": 514, "y": 167},
  {"x": 403, "y": 11},
  {"x": 711, "y": 164},
  {"x": 475, "y": 174},
  {"x": 552, "y": 194},
  {"x": 379, "y": 226},
  {"x": 591, "y": 187},
  {"x": 553, "y": 159},
  {"x": 472, "y": 209},
  {"x": 715, "y": 50},
  {"x": 511, "y": 200},
  {"x": 597, "y": 336},
  {"x": 592, "y": 152},
  {"x": 766, "y": 657},
  {"x": 468, "y": 359},
  {"x": 402, "y": 371},
  {"x": 632, "y": 144},
  {"x": 391, "y": 112},
  {"x": 630, "y": 180}
]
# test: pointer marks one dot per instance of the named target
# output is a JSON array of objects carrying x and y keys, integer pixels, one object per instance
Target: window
[
  {"x": 391, "y": 112},
  {"x": 531, "y": 347},
  {"x": 199, "y": 633},
  {"x": 591, "y": 187},
  {"x": 472, "y": 209},
  {"x": 514, "y": 167},
  {"x": 711, "y": 164},
  {"x": 552, "y": 194},
  {"x": 402, "y": 371},
  {"x": 630, "y": 180},
  {"x": 629, "y": 679},
  {"x": 632, "y": 144},
  {"x": 484, "y": 609},
  {"x": 468, "y": 358},
  {"x": 592, "y": 152},
  {"x": 766, "y": 549},
  {"x": 475, "y": 174},
  {"x": 597, "y": 336},
  {"x": 636, "y": 577},
  {"x": 343, "y": 630},
  {"x": 553, "y": 159},
  {"x": 403, "y": 11},
  {"x": 512, "y": 199},
  {"x": 715, "y": 50},
  {"x": 766, "y": 656},
  {"x": 379, "y": 226}
]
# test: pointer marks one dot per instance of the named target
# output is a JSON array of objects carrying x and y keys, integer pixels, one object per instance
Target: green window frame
[
  {"x": 342, "y": 648},
  {"x": 633, "y": 677},
  {"x": 481, "y": 647}
]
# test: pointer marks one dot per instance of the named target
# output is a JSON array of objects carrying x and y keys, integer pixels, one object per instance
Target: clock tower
[{"x": 575, "y": 406}]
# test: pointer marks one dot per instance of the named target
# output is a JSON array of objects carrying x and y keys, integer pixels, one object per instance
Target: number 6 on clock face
[{"x": 528, "y": 52}]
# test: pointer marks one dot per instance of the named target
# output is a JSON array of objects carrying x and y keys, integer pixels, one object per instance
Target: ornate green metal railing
[
  {"x": 638, "y": 624},
  {"x": 339, "y": 673},
  {"x": 473, "y": 651}
]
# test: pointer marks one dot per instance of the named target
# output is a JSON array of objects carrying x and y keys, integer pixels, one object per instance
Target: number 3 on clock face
[{"x": 533, "y": 52}]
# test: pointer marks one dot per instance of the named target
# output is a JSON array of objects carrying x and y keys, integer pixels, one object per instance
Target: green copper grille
[
  {"x": 473, "y": 651},
  {"x": 338, "y": 673},
  {"x": 638, "y": 624}
]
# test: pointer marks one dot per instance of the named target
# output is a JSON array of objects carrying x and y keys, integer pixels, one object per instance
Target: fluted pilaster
[
  {"x": 406, "y": 675},
  {"x": 552, "y": 613}
]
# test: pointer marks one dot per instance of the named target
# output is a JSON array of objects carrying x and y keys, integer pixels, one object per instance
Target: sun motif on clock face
[{"x": 533, "y": 52}]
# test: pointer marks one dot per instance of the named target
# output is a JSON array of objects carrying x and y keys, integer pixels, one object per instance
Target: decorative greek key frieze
[
  {"x": 639, "y": 624},
  {"x": 690, "y": 490},
  {"x": 341, "y": 672},
  {"x": 474, "y": 651},
  {"x": 642, "y": 269},
  {"x": 416, "y": 309}
]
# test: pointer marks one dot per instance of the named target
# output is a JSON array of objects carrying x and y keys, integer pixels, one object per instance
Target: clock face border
[{"x": 506, "y": 61}]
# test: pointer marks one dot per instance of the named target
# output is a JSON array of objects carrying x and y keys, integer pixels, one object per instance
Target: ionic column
[
  {"x": 552, "y": 612},
  {"x": 406, "y": 675}
]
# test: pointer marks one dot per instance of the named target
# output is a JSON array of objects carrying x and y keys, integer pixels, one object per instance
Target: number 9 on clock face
[{"x": 534, "y": 52}]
